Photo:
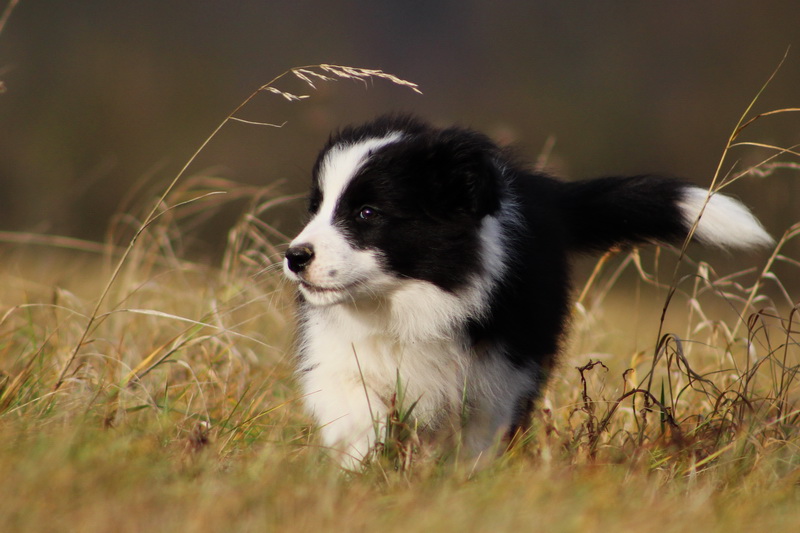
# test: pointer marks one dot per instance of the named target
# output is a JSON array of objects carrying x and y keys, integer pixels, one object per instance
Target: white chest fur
[{"x": 356, "y": 355}]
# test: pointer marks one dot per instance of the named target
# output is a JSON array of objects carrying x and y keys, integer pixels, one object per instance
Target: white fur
[
  {"x": 350, "y": 372},
  {"x": 724, "y": 222},
  {"x": 353, "y": 360}
]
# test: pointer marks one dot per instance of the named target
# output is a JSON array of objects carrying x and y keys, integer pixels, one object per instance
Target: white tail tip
[{"x": 725, "y": 222}]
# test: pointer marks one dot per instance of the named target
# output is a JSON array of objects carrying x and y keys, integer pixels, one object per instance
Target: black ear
[{"x": 468, "y": 161}]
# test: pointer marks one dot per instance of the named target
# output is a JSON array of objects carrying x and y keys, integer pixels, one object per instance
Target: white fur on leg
[{"x": 347, "y": 416}]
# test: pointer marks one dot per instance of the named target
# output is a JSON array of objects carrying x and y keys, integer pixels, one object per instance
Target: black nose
[{"x": 298, "y": 257}]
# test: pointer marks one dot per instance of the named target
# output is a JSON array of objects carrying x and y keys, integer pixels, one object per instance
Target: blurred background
[{"x": 103, "y": 99}]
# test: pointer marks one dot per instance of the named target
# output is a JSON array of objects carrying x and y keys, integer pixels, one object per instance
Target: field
[{"x": 143, "y": 391}]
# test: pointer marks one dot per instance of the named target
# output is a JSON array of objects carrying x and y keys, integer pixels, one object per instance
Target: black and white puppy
[{"x": 433, "y": 259}]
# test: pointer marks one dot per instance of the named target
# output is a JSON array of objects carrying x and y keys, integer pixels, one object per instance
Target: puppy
[{"x": 434, "y": 262}]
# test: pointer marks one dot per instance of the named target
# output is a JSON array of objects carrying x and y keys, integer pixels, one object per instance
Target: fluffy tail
[{"x": 608, "y": 212}]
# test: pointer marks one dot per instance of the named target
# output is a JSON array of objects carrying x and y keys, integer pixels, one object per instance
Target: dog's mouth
[
  {"x": 310, "y": 287},
  {"x": 321, "y": 295}
]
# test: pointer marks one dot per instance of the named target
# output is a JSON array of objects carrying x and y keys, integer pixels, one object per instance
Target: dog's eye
[
  {"x": 367, "y": 213},
  {"x": 313, "y": 205}
]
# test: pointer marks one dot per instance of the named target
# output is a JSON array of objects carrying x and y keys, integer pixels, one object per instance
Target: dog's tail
[{"x": 607, "y": 212}]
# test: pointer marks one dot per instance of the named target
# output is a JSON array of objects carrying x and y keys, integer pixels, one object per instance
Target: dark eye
[
  {"x": 313, "y": 205},
  {"x": 367, "y": 213}
]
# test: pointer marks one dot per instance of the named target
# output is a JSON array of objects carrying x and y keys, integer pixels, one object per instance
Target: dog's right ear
[{"x": 468, "y": 162}]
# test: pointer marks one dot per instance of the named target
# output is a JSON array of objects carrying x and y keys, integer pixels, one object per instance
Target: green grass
[{"x": 140, "y": 391}]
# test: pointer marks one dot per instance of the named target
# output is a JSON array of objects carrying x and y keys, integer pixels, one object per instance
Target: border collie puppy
[{"x": 435, "y": 261}]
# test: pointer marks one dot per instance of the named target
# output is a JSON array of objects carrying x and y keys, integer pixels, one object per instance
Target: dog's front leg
[{"x": 350, "y": 417}]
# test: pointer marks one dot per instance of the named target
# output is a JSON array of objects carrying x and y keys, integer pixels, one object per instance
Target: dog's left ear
[{"x": 472, "y": 171}]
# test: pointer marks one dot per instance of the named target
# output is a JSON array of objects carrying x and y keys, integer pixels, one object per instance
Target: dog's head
[{"x": 391, "y": 201}]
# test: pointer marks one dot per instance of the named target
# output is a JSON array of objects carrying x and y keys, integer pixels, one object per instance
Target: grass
[{"x": 140, "y": 391}]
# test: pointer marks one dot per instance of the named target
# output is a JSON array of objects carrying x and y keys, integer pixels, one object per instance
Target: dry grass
[{"x": 141, "y": 391}]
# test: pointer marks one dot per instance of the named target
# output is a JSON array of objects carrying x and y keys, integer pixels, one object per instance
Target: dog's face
[{"x": 406, "y": 204}]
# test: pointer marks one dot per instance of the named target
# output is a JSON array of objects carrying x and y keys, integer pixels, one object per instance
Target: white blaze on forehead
[{"x": 342, "y": 162}]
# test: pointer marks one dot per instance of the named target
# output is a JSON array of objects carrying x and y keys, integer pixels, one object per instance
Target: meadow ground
[
  {"x": 141, "y": 391},
  {"x": 170, "y": 406}
]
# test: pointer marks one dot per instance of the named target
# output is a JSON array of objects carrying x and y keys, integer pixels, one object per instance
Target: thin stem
[{"x": 7, "y": 13}]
